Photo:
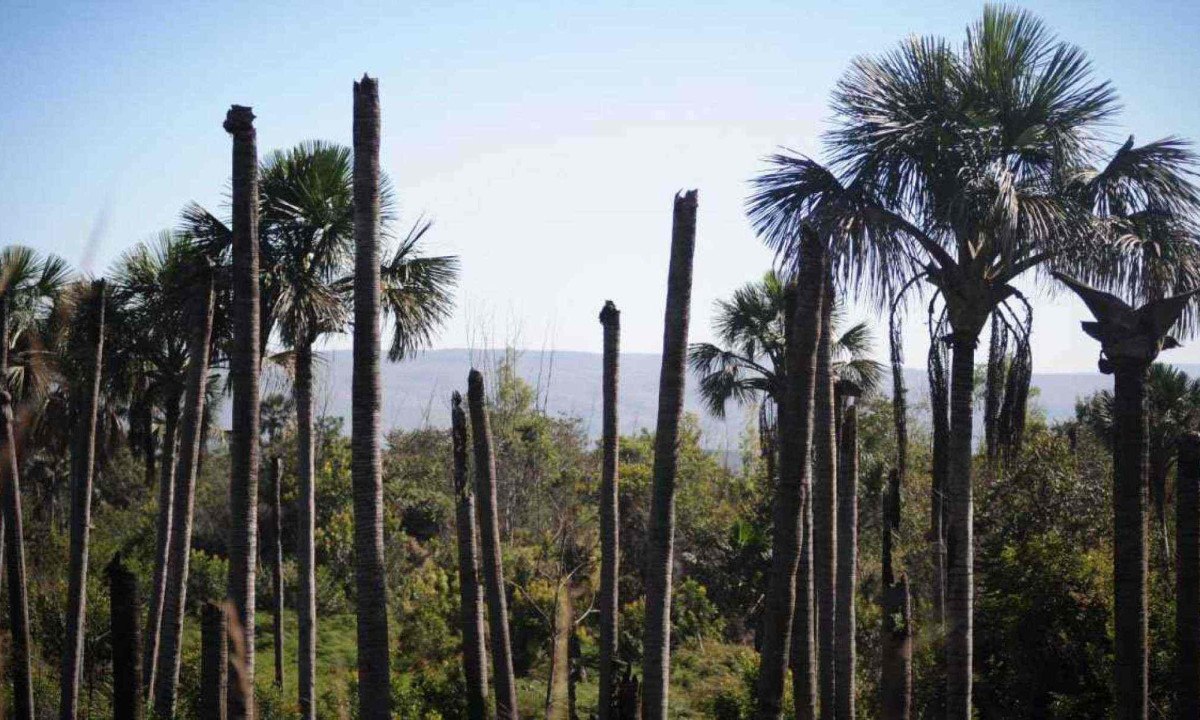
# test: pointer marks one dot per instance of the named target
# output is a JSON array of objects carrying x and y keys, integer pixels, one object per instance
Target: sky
[{"x": 545, "y": 140}]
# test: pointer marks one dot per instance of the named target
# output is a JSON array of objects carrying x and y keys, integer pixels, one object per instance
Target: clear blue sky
[{"x": 546, "y": 139}]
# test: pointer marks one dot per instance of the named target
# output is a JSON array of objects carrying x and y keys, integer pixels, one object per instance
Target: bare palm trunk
[
  {"x": 83, "y": 461},
  {"x": 610, "y": 557},
  {"x": 166, "y": 678},
  {"x": 790, "y": 546},
  {"x": 1130, "y": 461},
  {"x": 166, "y": 495},
  {"x": 214, "y": 663},
  {"x": 660, "y": 536},
  {"x": 558, "y": 692},
  {"x": 825, "y": 512},
  {"x": 18, "y": 599},
  {"x": 374, "y": 676},
  {"x": 847, "y": 562},
  {"x": 489, "y": 540},
  {"x": 306, "y": 602},
  {"x": 895, "y": 681},
  {"x": 960, "y": 551},
  {"x": 126, "y": 642},
  {"x": 277, "y": 564},
  {"x": 1187, "y": 578},
  {"x": 471, "y": 612},
  {"x": 244, "y": 440},
  {"x": 803, "y": 644},
  {"x": 940, "y": 409}
]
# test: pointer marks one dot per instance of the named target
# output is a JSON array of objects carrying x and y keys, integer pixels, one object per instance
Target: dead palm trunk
[
  {"x": 277, "y": 564},
  {"x": 489, "y": 540},
  {"x": 214, "y": 662},
  {"x": 558, "y": 690},
  {"x": 1187, "y": 578},
  {"x": 660, "y": 536},
  {"x": 825, "y": 512},
  {"x": 847, "y": 557},
  {"x": 470, "y": 598},
  {"x": 306, "y": 610},
  {"x": 792, "y": 498},
  {"x": 83, "y": 460},
  {"x": 610, "y": 558},
  {"x": 126, "y": 642},
  {"x": 243, "y": 374},
  {"x": 166, "y": 679},
  {"x": 166, "y": 495},
  {"x": 374, "y": 676},
  {"x": 895, "y": 681},
  {"x": 18, "y": 599}
]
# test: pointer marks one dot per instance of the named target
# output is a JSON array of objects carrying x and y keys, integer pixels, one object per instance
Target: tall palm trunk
[
  {"x": 277, "y": 564},
  {"x": 374, "y": 677},
  {"x": 558, "y": 688},
  {"x": 244, "y": 440},
  {"x": 18, "y": 599},
  {"x": 959, "y": 532},
  {"x": 83, "y": 461},
  {"x": 792, "y": 497},
  {"x": 825, "y": 512},
  {"x": 166, "y": 495},
  {"x": 1130, "y": 461},
  {"x": 660, "y": 536},
  {"x": 489, "y": 540},
  {"x": 803, "y": 643},
  {"x": 126, "y": 644},
  {"x": 166, "y": 679},
  {"x": 1187, "y": 578},
  {"x": 847, "y": 562},
  {"x": 214, "y": 662},
  {"x": 306, "y": 602},
  {"x": 895, "y": 681},
  {"x": 471, "y": 612},
  {"x": 610, "y": 557}
]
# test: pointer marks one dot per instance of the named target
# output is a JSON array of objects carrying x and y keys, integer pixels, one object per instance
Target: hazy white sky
[{"x": 546, "y": 140}]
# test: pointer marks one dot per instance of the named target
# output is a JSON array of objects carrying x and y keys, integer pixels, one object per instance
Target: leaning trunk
[
  {"x": 959, "y": 528},
  {"x": 1130, "y": 462},
  {"x": 166, "y": 494},
  {"x": 14, "y": 539},
  {"x": 277, "y": 564},
  {"x": 825, "y": 513},
  {"x": 610, "y": 558},
  {"x": 244, "y": 441},
  {"x": 83, "y": 461},
  {"x": 1187, "y": 578},
  {"x": 306, "y": 601},
  {"x": 123, "y": 629},
  {"x": 847, "y": 563},
  {"x": 214, "y": 662},
  {"x": 470, "y": 598},
  {"x": 660, "y": 535}
]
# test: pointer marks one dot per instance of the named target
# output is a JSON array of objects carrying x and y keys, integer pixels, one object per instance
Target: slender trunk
[
  {"x": 166, "y": 679},
  {"x": 306, "y": 601},
  {"x": 83, "y": 461},
  {"x": 166, "y": 494},
  {"x": 1187, "y": 578},
  {"x": 18, "y": 599},
  {"x": 1131, "y": 669},
  {"x": 847, "y": 563},
  {"x": 825, "y": 512},
  {"x": 610, "y": 557},
  {"x": 126, "y": 643},
  {"x": 277, "y": 563},
  {"x": 994, "y": 389},
  {"x": 791, "y": 545},
  {"x": 214, "y": 663},
  {"x": 244, "y": 440},
  {"x": 558, "y": 691},
  {"x": 960, "y": 551},
  {"x": 899, "y": 392},
  {"x": 1159, "y": 470},
  {"x": 940, "y": 408},
  {"x": 895, "y": 681},
  {"x": 470, "y": 598},
  {"x": 660, "y": 536},
  {"x": 489, "y": 540},
  {"x": 804, "y": 647}
]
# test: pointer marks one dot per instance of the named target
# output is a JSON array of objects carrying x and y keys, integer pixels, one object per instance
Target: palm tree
[
  {"x": 89, "y": 353},
  {"x": 126, "y": 641},
  {"x": 896, "y": 641},
  {"x": 470, "y": 596},
  {"x": 656, "y": 670},
  {"x": 825, "y": 511},
  {"x": 489, "y": 541},
  {"x": 274, "y": 413},
  {"x": 610, "y": 542},
  {"x": 847, "y": 553},
  {"x": 1187, "y": 581},
  {"x": 214, "y": 663},
  {"x": 18, "y": 598},
  {"x": 243, "y": 376},
  {"x": 968, "y": 166}
]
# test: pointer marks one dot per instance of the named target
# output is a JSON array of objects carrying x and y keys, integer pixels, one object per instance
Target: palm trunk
[
  {"x": 83, "y": 460},
  {"x": 558, "y": 691},
  {"x": 791, "y": 544},
  {"x": 610, "y": 558},
  {"x": 895, "y": 681},
  {"x": 214, "y": 663},
  {"x": 166, "y": 679},
  {"x": 166, "y": 494},
  {"x": 1159, "y": 470},
  {"x": 940, "y": 409},
  {"x": 374, "y": 676},
  {"x": 470, "y": 598},
  {"x": 18, "y": 599},
  {"x": 244, "y": 440},
  {"x": 126, "y": 643},
  {"x": 1187, "y": 578},
  {"x": 803, "y": 649},
  {"x": 277, "y": 564},
  {"x": 489, "y": 540},
  {"x": 994, "y": 389},
  {"x": 960, "y": 551},
  {"x": 306, "y": 602},
  {"x": 1131, "y": 669},
  {"x": 825, "y": 513},
  {"x": 660, "y": 536},
  {"x": 847, "y": 563}
]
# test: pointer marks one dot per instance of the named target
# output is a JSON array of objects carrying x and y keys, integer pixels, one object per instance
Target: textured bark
[
  {"x": 792, "y": 501},
  {"x": 847, "y": 563},
  {"x": 166, "y": 495},
  {"x": 940, "y": 409},
  {"x": 960, "y": 550},
  {"x": 558, "y": 689},
  {"x": 993, "y": 391},
  {"x": 244, "y": 436},
  {"x": 489, "y": 540},
  {"x": 895, "y": 681},
  {"x": 18, "y": 599},
  {"x": 803, "y": 649},
  {"x": 214, "y": 663},
  {"x": 306, "y": 601},
  {"x": 825, "y": 513},
  {"x": 83, "y": 461},
  {"x": 166, "y": 679},
  {"x": 660, "y": 535},
  {"x": 610, "y": 543},
  {"x": 277, "y": 565},
  {"x": 1130, "y": 430},
  {"x": 126, "y": 642},
  {"x": 1187, "y": 578},
  {"x": 471, "y": 611}
]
